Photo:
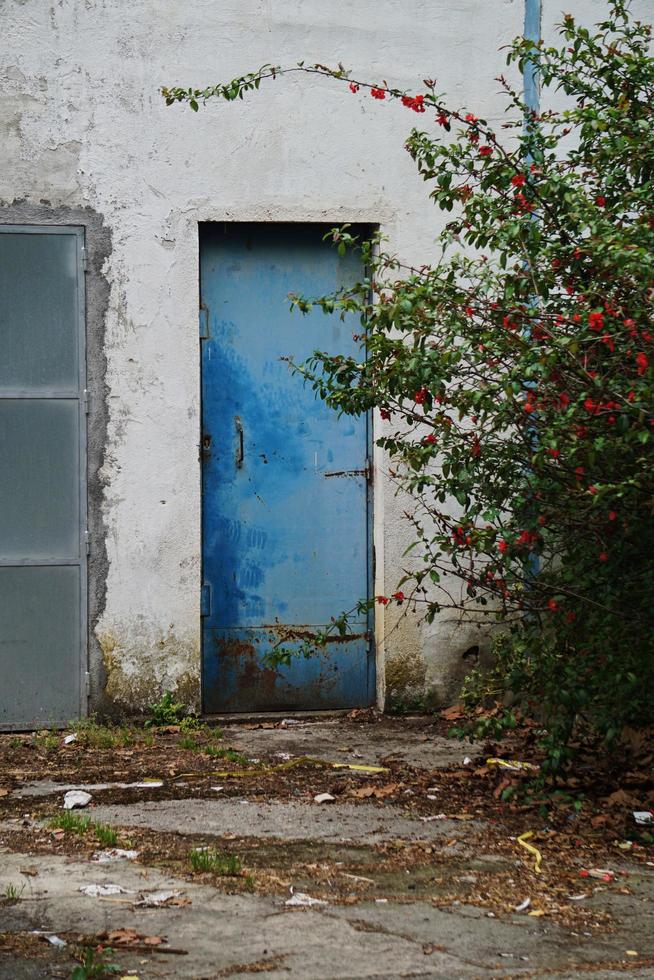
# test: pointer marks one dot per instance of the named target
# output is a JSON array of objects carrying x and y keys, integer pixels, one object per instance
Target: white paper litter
[
  {"x": 643, "y": 817},
  {"x": 523, "y": 905},
  {"x": 324, "y": 798},
  {"x": 98, "y": 891},
  {"x": 304, "y": 901},
  {"x": 467, "y": 761},
  {"x": 70, "y": 738},
  {"x": 76, "y": 798},
  {"x": 155, "y": 899},
  {"x": 115, "y": 854},
  {"x": 436, "y": 816},
  {"x": 56, "y": 941},
  {"x": 217, "y": 789}
]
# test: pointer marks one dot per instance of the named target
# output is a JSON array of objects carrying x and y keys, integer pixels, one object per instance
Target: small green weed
[
  {"x": 165, "y": 711},
  {"x": 12, "y": 894},
  {"x": 47, "y": 740},
  {"x": 209, "y": 859},
  {"x": 216, "y": 752},
  {"x": 94, "y": 964},
  {"x": 15, "y": 743}
]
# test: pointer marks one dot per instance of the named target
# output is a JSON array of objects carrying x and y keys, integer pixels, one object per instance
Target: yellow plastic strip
[
  {"x": 522, "y": 840},
  {"x": 290, "y": 764}
]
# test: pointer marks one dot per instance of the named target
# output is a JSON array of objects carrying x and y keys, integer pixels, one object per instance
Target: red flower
[
  {"x": 529, "y": 407},
  {"x": 596, "y": 321},
  {"x": 429, "y": 440},
  {"x": 354, "y": 87},
  {"x": 603, "y": 556},
  {"x": 471, "y": 117},
  {"x": 420, "y": 395},
  {"x": 600, "y": 201},
  {"x": 642, "y": 362},
  {"x": 414, "y": 102},
  {"x": 378, "y": 93},
  {"x": 383, "y": 600},
  {"x": 552, "y": 604},
  {"x": 399, "y": 596},
  {"x": 554, "y": 453},
  {"x": 385, "y": 414},
  {"x": 485, "y": 151},
  {"x": 612, "y": 515},
  {"x": 579, "y": 471},
  {"x": 519, "y": 180},
  {"x": 441, "y": 119},
  {"x": 502, "y": 546}
]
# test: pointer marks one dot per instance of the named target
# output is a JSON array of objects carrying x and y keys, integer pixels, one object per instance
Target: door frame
[
  {"x": 366, "y": 227},
  {"x": 80, "y": 394}
]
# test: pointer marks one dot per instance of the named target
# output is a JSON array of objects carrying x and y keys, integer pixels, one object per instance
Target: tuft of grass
[
  {"x": 217, "y": 862},
  {"x": 104, "y": 835},
  {"x": 12, "y": 894},
  {"x": 74, "y": 823},
  {"x": 77, "y": 823},
  {"x": 188, "y": 742},
  {"x": 15, "y": 743}
]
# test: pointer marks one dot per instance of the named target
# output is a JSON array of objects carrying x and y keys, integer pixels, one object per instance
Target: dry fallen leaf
[{"x": 453, "y": 713}]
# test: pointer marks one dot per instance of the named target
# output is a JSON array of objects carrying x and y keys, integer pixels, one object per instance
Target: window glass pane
[
  {"x": 39, "y": 478},
  {"x": 38, "y": 311},
  {"x": 39, "y": 645}
]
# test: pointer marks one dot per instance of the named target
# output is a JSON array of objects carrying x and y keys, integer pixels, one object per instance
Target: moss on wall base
[{"x": 137, "y": 675}]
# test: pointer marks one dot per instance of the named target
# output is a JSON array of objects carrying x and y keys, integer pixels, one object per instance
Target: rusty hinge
[
  {"x": 205, "y": 600},
  {"x": 366, "y": 472}
]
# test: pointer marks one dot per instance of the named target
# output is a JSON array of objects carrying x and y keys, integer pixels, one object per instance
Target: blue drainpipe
[{"x": 533, "y": 21}]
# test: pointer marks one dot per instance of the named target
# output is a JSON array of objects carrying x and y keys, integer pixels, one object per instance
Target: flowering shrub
[{"x": 514, "y": 376}]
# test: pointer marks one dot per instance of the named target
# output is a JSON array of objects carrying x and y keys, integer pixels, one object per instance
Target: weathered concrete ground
[{"x": 416, "y": 867}]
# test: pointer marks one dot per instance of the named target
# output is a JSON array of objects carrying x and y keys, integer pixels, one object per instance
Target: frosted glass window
[
  {"x": 39, "y": 478},
  {"x": 38, "y": 311}
]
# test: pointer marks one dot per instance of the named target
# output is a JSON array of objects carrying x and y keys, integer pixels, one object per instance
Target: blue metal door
[{"x": 284, "y": 480}]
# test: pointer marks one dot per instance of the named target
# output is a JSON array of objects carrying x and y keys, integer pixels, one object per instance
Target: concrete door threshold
[{"x": 238, "y": 718}]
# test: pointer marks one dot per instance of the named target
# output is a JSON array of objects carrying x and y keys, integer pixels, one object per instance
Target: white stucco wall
[{"x": 83, "y": 125}]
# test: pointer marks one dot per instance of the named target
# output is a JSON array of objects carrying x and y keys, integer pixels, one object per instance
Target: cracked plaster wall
[{"x": 84, "y": 127}]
